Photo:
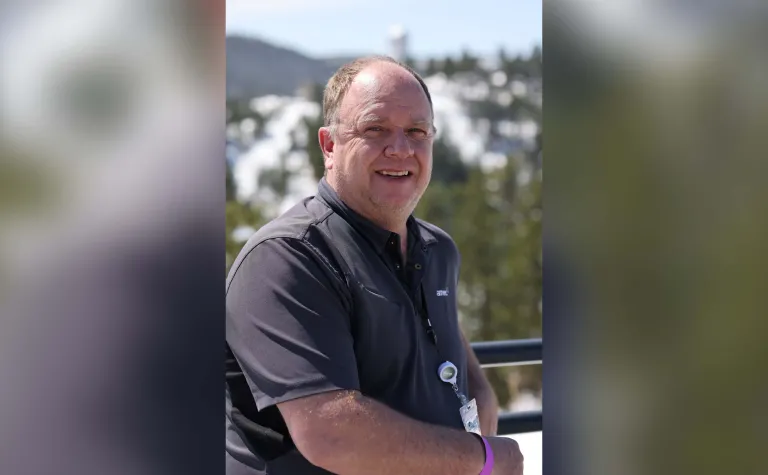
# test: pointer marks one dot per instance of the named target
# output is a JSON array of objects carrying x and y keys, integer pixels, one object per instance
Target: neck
[{"x": 391, "y": 222}]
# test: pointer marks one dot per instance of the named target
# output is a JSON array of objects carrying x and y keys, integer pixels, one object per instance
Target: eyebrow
[{"x": 369, "y": 118}]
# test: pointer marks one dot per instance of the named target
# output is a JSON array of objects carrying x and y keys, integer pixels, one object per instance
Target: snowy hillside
[{"x": 284, "y": 135}]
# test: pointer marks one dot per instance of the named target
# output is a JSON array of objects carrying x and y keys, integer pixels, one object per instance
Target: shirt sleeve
[{"x": 287, "y": 324}]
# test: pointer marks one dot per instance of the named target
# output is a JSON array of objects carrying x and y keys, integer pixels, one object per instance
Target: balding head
[{"x": 375, "y": 67}]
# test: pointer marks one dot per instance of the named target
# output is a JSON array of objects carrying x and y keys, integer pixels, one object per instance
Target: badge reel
[{"x": 468, "y": 411}]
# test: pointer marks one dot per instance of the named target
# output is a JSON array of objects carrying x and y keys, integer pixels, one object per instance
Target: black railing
[{"x": 510, "y": 353}]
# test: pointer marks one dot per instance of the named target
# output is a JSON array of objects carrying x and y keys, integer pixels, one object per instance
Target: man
[{"x": 341, "y": 311}]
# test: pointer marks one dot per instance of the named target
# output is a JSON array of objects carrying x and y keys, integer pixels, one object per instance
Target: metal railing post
[{"x": 512, "y": 353}]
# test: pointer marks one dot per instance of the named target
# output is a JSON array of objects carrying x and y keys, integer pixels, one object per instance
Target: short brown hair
[{"x": 339, "y": 83}]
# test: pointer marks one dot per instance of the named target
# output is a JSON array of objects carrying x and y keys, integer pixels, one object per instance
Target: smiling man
[{"x": 344, "y": 352}]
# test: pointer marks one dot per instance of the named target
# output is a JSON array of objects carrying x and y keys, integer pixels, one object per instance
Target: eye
[
  {"x": 418, "y": 132},
  {"x": 374, "y": 128}
]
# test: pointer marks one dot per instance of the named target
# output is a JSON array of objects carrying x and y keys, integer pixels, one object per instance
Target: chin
[{"x": 399, "y": 205}]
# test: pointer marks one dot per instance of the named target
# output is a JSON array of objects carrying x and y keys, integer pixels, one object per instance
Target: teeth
[{"x": 393, "y": 173}]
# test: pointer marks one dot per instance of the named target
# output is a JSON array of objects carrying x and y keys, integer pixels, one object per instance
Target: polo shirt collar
[{"x": 378, "y": 236}]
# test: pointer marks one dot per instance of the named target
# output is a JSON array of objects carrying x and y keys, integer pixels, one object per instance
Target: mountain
[
  {"x": 257, "y": 68},
  {"x": 336, "y": 62}
]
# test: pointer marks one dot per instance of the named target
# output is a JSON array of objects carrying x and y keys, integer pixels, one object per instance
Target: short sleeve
[{"x": 287, "y": 325}]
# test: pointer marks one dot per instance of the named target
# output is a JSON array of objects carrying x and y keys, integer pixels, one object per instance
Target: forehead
[{"x": 383, "y": 91}]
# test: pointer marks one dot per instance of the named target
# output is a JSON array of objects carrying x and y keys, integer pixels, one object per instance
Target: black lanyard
[
  {"x": 425, "y": 319},
  {"x": 422, "y": 311},
  {"x": 427, "y": 323}
]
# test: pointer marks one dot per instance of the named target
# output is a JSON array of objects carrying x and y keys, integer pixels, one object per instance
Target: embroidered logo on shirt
[{"x": 442, "y": 293}]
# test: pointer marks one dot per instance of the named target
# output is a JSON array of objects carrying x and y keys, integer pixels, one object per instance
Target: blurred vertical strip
[
  {"x": 111, "y": 250},
  {"x": 656, "y": 200}
]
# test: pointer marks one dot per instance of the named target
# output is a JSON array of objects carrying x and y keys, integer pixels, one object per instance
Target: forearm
[
  {"x": 482, "y": 391},
  {"x": 479, "y": 386},
  {"x": 365, "y": 436}
]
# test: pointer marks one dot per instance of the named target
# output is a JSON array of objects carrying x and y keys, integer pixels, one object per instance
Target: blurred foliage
[
  {"x": 314, "y": 153},
  {"x": 658, "y": 198},
  {"x": 238, "y": 214},
  {"x": 497, "y": 227},
  {"x": 520, "y": 66}
]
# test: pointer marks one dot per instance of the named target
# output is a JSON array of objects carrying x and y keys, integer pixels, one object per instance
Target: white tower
[{"x": 398, "y": 42}]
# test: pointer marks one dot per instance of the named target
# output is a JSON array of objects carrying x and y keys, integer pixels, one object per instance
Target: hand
[
  {"x": 488, "y": 412},
  {"x": 508, "y": 460}
]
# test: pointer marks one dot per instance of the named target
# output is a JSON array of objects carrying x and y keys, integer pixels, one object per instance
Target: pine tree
[
  {"x": 449, "y": 67},
  {"x": 468, "y": 62},
  {"x": 314, "y": 153},
  {"x": 231, "y": 191},
  {"x": 502, "y": 58},
  {"x": 431, "y": 68},
  {"x": 448, "y": 166},
  {"x": 498, "y": 232}
]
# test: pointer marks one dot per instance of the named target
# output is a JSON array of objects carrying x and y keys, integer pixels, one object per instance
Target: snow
[
  {"x": 286, "y": 115},
  {"x": 531, "y": 448},
  {"x": 530, "y": 443},
  {"x": 499, "y": 78},
  {"x": 242, "y": 233},
  {"x": 284, "y": 125}
]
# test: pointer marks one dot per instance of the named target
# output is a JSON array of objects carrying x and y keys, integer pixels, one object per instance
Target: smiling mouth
[{"x": 394, "y": 173}]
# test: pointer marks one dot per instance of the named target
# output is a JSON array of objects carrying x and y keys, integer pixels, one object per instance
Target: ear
[{"x": 326, "y": 146}]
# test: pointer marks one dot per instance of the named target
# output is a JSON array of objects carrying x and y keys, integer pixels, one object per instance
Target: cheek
[
  {"x": 362, "y": 157},
  {"x": 425, "y": 161}
]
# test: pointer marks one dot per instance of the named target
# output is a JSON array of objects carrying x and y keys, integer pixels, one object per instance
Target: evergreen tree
[
  {"x": 431, "y": 68},
  {"x": 237, "y": 215},
  {"x": 230, "y": 183},
  {"x": 502, "y": 58},
  {"x": 468, "y": 62},
  {"x": 447, "y": 164},
  {"x": 314, "y": 153},
  {"x": 449, "y": 67},
  {"x": 410, "y": 62},
  {"x": 498, "y": 231}
]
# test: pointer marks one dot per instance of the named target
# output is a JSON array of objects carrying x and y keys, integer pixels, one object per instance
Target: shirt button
[
  {"x": 417, "y": 266},
  {"x": 397, "y": 266}
]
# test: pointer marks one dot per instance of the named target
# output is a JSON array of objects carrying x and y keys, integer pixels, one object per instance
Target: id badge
[{"x": 470, "y": 417}]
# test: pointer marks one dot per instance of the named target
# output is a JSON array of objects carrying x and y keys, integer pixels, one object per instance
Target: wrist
[{"x": 489, "y": 459}]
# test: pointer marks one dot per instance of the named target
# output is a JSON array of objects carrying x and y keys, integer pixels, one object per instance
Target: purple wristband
[{"x": 488, "y": 467}]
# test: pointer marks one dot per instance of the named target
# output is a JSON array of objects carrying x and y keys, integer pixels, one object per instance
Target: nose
[{"x": 399, "y": 146}]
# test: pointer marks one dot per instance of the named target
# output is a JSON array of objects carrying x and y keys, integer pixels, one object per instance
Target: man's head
[{"x": 378, "y": 124}]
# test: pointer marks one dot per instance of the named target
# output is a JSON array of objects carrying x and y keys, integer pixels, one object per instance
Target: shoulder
[
  {"x": 286, "y": 244},
  {"x": 433, "y": 235}
]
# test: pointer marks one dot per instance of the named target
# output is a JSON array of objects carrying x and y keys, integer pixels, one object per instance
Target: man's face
[{"x": 381, "y": 160}]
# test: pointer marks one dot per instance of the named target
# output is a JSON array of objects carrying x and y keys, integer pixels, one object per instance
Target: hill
[{"x": 257, "y": 68}]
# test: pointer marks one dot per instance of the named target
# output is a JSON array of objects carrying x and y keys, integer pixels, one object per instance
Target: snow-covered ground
[{"x": 530, "y": 446}]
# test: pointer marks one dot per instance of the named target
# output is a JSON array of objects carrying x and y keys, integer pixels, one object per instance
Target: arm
[
  {"x": 481, "y": 389},
  {"x": 288, "y": 327},
  {"x": 345, "y": 432}
]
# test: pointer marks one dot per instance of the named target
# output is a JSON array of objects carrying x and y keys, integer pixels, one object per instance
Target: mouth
[{"x": 394, "y": 173}]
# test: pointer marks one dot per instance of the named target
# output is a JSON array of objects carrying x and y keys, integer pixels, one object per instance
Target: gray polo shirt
[{"x": 318, "y": 300}]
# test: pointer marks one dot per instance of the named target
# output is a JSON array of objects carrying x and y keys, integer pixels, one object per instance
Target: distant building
[{"x": 398, "y": 42}]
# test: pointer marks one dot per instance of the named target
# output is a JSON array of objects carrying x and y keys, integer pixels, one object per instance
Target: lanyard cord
[{"x": 426, "y": 321}]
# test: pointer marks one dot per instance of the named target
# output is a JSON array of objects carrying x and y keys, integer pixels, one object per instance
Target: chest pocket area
[
  {"x": 384, "y": 337},
  {"x": 440, "y": 303}
]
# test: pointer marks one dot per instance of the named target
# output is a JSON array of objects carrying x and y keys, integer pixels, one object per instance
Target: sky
[{"x": 436, "y": 28}]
